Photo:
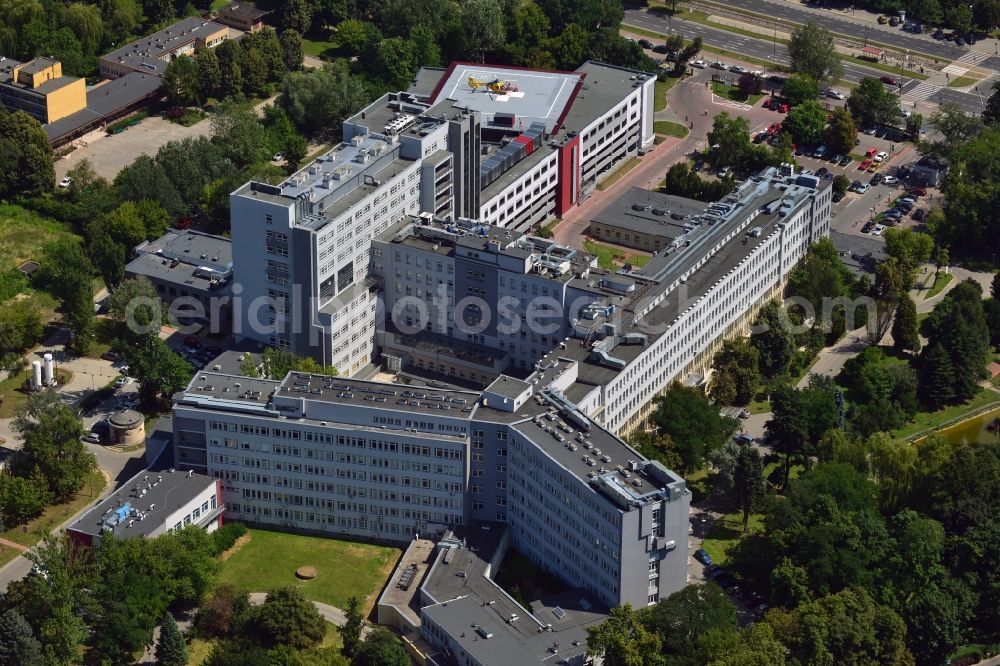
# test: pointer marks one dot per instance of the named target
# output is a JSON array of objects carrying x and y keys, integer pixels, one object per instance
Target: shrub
[{"x": 227, "y": 535}]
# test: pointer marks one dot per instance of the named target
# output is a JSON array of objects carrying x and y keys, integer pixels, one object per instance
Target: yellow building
[{"x": 39, "y": 88}]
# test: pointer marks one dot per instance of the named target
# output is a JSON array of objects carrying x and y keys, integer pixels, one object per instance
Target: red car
[
  {"x": 767, "y": 103},
  {"x": 888, "y": 80},
  {"x": 918, "y": 191},
  {"x": 864, "y": 165},
  {"x": 774, "y": 128},
  {"x": 783, "y": 108},
  {"x": 871, "y": 152}
]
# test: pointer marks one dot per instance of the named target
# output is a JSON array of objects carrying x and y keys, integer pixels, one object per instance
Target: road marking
[
  {"x": 955, "y": 69},
  {"x": 972, "y": 58},
  {"x": 922, "y": 91}
]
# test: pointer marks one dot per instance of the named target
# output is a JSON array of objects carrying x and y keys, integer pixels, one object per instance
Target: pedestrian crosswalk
[
  {"x": 955, "y": 70},
  {"x": 923, "y": 90},
  {"x": 973, "y": 57}
]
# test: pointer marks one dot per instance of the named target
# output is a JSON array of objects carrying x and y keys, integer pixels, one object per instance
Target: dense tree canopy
[{"x": 812, "y": 52}]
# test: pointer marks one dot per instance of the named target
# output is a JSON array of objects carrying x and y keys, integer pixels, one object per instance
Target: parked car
[
  {"x": 867, "y": 229},
  {"x": 876, "y": 179},
  {"x": 720, "y": 66},
  {"x": 890, "y": 180},
  {"x": 660, "y": 48},
  {"x": 820, "y": 152},
  {"x": 65, "y": 182},
  {"x": 121, "y": 381},
  {"x": 882, "y": 20},
  {"x": 702, "y": 556},
  {"x": 92, "y": 437},
  {"x": 185, "y": 350},
  {"x": 893, "y": 21},
  {"x": 192, "y": 341},
  {"x": 277, "y": 157},
  {"x": 918, "y": 215},
  {"x": 854, "y": 186},
  {"x": 723, "y": 172},
  {"x": 862, "y": 188},
  {"x": 110, "y": 355},
  {"x": 881, "y": 155},
  {"x": 838, "y": 196},
  {"x": 822, "y": 172},
  {"x": 938, "y": 34},
  {"x": 700, "y": 64},
  {"x": 726, "y": 581},
  {"x": 834, "y": 94},
  {"x": 844, "y": 161},
  {"x": 645, "y": 43},
  {"x": 738, "y": 69},
  {"x": 864, "y": 165},
  {"x": 877, "y": 231},
  {"x": 918, "y": 192},
  {"x": 123, "y": 370},
  {"x": 784, "y": 107}
]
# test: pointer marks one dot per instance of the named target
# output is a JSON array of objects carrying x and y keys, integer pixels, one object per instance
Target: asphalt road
[
  {"x": 762, "y": 49},
  {"x": 832, "y": 21}
]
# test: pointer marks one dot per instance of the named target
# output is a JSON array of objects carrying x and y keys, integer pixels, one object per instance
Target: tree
[
  {"x": 692, "y": 422},
  {"x": 147, "y": 179},
  {"x": 904, "y": 328},
  {"x": 209, "y": 74},
  {"x": 683, "y": 617},
  {"x": 750, "y": 84},
  {"x": 800, "y": 88},
  {"x": 85, "y": 22},
  {"x": 171, "y": 650},
  {"x": 381, "y": 648},
  {"x": 25, "y": 156},
  {"x": 754, "y": 645},
  {"x": 991, "y": 113},
  {"x": 787, "y": 431},
  {"x": 319, "y": 99},
  {"x": 18, "y": 645},
  {"x": 353, "y": 626},
  {"x": 134, "y": 305},
  {"x": 748, "y": 481},
  {"x": 871, "y": 104},
  {"x": 50, "y": 432},
  {"x": 847, "y": 627},
  {"x": 159, "y": 370},
  {"x": 842, "y": 132},
  {"x": 287, "y": 618},
  {"x": 20, "y": 328},
  {"x": 238, "y": 132},
  {"x": 484, "y": 26},
  {"x": 737, "y": 374},
  {"x": 570, "y": 47},
  {"x": 771, "y": 337},
  {"x": 958, "y": 324},
  {"x": 841, "y": 183},
  {"x": 812, "y": 51},
  {"x": 937, "y": 377},
  {"x": 181, "y": 81},
  {"x": 291, "y": 50},
  {"x": 224, "y": 613},
  {"x": 622, "y": 640},
  {"x": 53, "y": 605},
  {"x": 21, "y": 499},
  {"x": 396, "y": 62},
  {"x": 296, "y": 15},
  {"x": 805, "y": 123},
  {"x": 971, "y": 224},
  {"x": 909, "y": 246}
]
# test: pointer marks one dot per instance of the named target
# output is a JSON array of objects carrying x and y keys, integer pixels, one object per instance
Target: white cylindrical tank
[
  {"x": 47, "y": 375},
  {"x": 36, "y": 375}
]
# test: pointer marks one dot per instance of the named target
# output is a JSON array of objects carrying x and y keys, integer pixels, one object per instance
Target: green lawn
[
  {"x": 930, "y": 420},
  {"x": 941, "y": 281},
  {"x": 726, "y": 531},
  {"x": 53, "y": 516},
  {"x": 962, "y": 81},
  {"x": 13, "y": 396},
  {"x": 670, "y": 128},
  {"x": 660, "y": 90},
  {"x": 269, "y": 560},
  {"x": 734, "y": 93},
  {"x": 317, "y": 47},
  {"x": 630, "y": 164},
  {"x": 23, "y": 234},
  {"x": 609, "y": 257}
]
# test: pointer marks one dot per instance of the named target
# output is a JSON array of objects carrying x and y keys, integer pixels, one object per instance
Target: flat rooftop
[
  {"x": 650, "y": 212},
  {"x": 532, "y": 95},
  {"x": 150, "y": 53},
  {"x": 490, "y": 625},
  {"x": 152, "y": 494},
  {"x": 457, "y": 404},
  {"x": 192, "y": 247},
  {"x": 603, "y": 87}
]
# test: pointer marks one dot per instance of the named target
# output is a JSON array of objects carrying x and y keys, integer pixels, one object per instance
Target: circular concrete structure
[
  {"x": 128, "y": 428},
  {"x": 306, "y": 573}
]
